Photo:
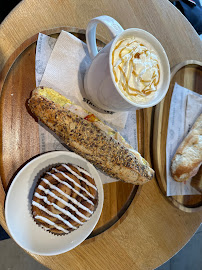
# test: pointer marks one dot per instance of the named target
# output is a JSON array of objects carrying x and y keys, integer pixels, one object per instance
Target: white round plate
[{"x": 19, "y": 220}]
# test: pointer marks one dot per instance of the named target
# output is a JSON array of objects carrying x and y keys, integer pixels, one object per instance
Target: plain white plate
[{"x": 20, "y": 223}]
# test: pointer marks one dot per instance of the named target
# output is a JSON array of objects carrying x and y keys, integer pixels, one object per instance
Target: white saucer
[{"x": 20, "y": 223}]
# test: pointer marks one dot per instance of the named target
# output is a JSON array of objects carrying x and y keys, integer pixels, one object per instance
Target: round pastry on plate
[
  {"x": 64, "y": 198},
  {"x": 59, "y": 197}
]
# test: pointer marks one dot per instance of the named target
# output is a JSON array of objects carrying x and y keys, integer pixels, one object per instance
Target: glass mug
[{"x": 99, "y": 81}]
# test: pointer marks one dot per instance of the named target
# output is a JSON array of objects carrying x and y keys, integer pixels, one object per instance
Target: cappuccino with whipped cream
[
  {"x": 136, "y": 69},
  {"x": 131, "y": 72}
]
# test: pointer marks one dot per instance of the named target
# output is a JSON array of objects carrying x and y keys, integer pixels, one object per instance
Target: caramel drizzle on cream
[{"x": 127, "y": 68}]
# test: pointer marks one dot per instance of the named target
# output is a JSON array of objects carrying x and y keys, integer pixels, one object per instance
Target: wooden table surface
[{"x": 153, "y": 230}]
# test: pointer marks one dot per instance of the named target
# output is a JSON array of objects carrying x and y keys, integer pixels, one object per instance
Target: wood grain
[
  {"x": 189, "y": 75},
  {"x": 153, "y": 229}
]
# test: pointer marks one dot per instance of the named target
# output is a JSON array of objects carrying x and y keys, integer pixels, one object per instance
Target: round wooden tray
[
  {"x": 189, "y": 75},
  {"x": 20, "y": 136}
]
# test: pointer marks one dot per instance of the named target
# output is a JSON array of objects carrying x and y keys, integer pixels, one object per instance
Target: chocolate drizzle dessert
[{"x": 64, "y": 199}]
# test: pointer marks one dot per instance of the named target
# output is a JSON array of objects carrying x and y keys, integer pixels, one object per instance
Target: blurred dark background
[
  {"x": 192, "y": 10},
  {"x": 6, "y": 7}
]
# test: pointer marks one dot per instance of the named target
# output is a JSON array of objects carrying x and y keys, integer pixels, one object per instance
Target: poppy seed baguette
[{"x": 89, "y": 141}]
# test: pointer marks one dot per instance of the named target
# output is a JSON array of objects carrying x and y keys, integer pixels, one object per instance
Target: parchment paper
[{"x": 185, "y": 107}]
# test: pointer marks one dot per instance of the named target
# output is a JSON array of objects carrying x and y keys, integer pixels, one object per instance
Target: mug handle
[{"x": 114, "y": 28}]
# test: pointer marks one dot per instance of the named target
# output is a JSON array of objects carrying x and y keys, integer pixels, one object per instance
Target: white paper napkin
[
  {"x": 64, "y": 62},
  {"x": 45, "y": 45},
  {"x": 185, "y": 107},
  {"x": 65, "y": 73}
]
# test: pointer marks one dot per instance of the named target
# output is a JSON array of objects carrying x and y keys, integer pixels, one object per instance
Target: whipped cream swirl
[{"x": 136, "y": 70}]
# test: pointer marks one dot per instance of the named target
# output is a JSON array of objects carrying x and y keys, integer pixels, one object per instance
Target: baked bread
[
  {"x": 89, "y": 137},
  {"x": 188, "y": 158},
  {"x": 64, "y": 198}
]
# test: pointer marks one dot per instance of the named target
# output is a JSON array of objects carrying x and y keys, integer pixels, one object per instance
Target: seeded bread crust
[
  {"x": 188, "y": 158},
  {"x": 90, "y": 142}
]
